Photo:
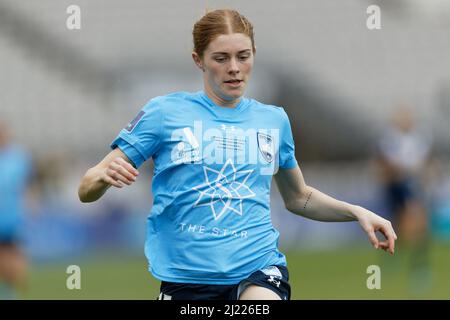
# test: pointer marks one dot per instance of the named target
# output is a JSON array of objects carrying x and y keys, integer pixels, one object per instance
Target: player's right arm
[{"x": 114, "y": 170}]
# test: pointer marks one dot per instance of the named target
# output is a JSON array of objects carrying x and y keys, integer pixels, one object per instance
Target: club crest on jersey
[{"x": 266, "y": 146}]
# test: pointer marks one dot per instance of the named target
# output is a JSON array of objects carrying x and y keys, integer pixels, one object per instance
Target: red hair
[{"x": 219, "y": 22}]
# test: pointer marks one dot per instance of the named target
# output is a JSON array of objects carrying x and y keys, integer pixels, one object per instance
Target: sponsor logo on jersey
[{"x": 223, "y": 191}]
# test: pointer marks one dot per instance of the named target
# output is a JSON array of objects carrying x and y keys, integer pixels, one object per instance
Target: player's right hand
[
  {"x": 372, "y": 223},
  {"x": 119, "y": 172}
]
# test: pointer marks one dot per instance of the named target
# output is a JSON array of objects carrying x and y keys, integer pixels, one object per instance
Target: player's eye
[
  {"x": 244, "y": 57},
  {"x": 220, "y": 59}
]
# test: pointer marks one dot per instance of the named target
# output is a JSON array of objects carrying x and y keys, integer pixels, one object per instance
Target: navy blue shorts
[
  {"x": 400, "y": 192},
  {"x": 274, "y": 278}
]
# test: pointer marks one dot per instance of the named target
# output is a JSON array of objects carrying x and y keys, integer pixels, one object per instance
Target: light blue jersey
[
  {"x": 210, "y": 221},
  {"x": 15, "y": 168}
]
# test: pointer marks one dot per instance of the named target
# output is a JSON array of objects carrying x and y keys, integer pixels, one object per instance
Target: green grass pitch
[{"x": 337, "y": 274}]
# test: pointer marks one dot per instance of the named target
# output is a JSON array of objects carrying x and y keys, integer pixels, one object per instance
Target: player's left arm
[{"x": 304, "y": 200}]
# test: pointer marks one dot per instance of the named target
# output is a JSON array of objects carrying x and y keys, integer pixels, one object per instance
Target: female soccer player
[{"x": 210, "y": 234}]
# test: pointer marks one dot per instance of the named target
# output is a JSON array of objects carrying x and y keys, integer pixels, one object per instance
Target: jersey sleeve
[
  {"x": 141, "y": 138},
  {"x": 287, "y": 158}
]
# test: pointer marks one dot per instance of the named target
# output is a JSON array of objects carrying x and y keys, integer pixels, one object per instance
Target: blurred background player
[
  {"x": 15, "y": 169},
  {"x": 404, "y": 155}
]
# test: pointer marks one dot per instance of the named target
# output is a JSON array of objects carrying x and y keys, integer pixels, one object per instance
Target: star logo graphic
[{"x": 224, "y": 192}]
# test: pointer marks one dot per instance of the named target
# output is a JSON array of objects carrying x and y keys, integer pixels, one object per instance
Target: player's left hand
[{"x": 371, "y": 223}]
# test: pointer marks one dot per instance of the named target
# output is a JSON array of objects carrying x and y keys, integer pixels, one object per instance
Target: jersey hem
[
  {"x": 199, "y": 281},
  {"x": 203, "y": 280}
]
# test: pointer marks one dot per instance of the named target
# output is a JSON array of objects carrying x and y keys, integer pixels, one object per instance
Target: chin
[{"x": 234, "y": 94}]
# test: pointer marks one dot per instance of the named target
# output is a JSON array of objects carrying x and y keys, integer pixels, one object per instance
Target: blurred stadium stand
[{"x": 67, "y": 94}]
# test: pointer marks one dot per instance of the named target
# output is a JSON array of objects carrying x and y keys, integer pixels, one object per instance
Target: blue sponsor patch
[{"x": 133, "y": 123}]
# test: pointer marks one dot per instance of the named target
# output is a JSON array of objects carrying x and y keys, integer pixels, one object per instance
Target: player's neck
[{"x": 221, "y": 102}]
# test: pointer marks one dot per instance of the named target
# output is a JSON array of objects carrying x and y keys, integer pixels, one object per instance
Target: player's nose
[{"x": 233, "y": 66}]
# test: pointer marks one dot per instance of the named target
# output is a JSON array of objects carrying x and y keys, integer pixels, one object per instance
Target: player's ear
[{"x": 198, "y": 61}]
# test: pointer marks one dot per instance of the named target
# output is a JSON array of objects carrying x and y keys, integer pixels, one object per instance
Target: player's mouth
[{"x": 234, "y": 82}]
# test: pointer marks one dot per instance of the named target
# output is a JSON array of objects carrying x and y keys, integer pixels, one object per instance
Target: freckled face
[{"x": 227, "y": 63}]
